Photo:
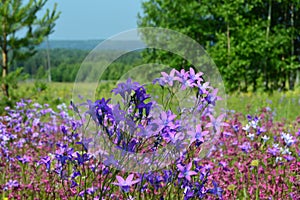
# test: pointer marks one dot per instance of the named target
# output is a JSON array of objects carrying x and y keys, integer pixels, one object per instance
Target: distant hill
[{"x": 91, "y": 44}]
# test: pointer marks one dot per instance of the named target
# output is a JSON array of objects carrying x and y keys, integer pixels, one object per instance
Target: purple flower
[
  {"x": 118, "y": 114},
  {"x": 183, "y": 78},
  {"x": 202, "y": 88},
  {"x": 217, "y": 123},
  {"x": 91, "y": 190},
  {"x": 85, "y": 143},
  {"x": 288, "y": 158},
  {"x": 24, "y": 159},
  {"x": 235, "y": 128},
  {"x": 124, "y": 88},
  {"x": 46, "y": 161},
  {"x": 185, "y": 171},
  {"x": 73, "y": 184},
  {"x": 195, "y": 77},
  {"x": 245, "y": 147},
  {"x": 82, "y": 158},
  {"x": 125, "y": 184},
  {"x": 260, "y": 130},
  {"x": 216, "y": 190},
  {"x": 168, "y": 78},
  {"x": 110, "y": 160},
  {"x": 198, "y": 134},
  {"x": 12, "y": 183},
  {"x": 92, "y": 110},
  {"x": 74, "y": 107},
  {"x": 165, "y": 120},
  {"x": 273, "y": 151}
]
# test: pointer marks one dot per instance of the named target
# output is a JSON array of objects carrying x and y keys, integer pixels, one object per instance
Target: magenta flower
[
  {"x": 125, "y": 184},
  {"x": 185, "y": 171}
]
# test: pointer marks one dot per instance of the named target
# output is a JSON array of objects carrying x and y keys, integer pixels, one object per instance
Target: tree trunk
[
  {"x": 293, "y": 75},
  {"x": 4, "y": 63},
  {"x": 267, "y": 42}
]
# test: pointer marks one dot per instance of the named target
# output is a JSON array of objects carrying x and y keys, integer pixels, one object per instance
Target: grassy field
[{"x": 284, "y": 104}]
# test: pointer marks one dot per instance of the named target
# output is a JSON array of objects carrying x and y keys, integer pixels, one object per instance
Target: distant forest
[
  {"x": 65, "y": 64},
  {"x": 66, "y": 56}
]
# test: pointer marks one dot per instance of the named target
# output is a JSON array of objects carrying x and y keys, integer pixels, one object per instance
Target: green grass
[{"x": 284, "y": 104}]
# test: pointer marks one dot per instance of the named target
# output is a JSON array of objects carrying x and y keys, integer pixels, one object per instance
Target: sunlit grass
[{"x": 284, "y": 104}]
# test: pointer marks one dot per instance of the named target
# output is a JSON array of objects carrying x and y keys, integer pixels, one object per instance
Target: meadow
[
  {"x": 283, "y": 104},
  {"x": 253, "y": 155}
]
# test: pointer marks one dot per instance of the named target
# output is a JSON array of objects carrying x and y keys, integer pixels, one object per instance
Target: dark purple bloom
[
  {"x": 46, "y": 161},
  {"x": 216, "y": 190},
  {"x": 249, "y": 117},
  {"x": 188, "y": 193},
  {"x": 12, "y": 183},
  {"x": 75, "y": 174},
  {"x": 73, "y": 184},
  {"x": 260, "y": 130},
  {"x": 289, "y": 157},
  {"x": 147, "y": 107},
  {"x": 24, "y": 159},
  {"x": 82, "y": 158},
  {"x": 235, "y": 128}
]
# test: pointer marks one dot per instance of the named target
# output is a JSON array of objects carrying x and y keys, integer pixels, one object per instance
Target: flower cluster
[
  {"x": 137, "y": 146},
  {"x": 259, "y": 160},
  {"x": 149, "y": 148}
]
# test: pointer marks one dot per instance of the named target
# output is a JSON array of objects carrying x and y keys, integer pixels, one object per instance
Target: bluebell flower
[
  {"x": 82, "y": 158},
  {"x": 125, "y": 184},
  {"x": 216, "y": 190}
]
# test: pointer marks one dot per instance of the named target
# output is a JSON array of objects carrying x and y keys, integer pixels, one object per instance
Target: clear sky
[{"x": 94, "y": 19}]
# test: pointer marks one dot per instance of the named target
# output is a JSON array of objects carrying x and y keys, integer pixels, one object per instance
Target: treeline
[
  {"x": 65, "y": 64},
  {"x": 255, "y": 44}
]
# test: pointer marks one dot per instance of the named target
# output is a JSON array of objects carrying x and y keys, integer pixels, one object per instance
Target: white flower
[
  {"x": 285, "y": 151},
  {"x": 251, "y": 136},
  {"x": 246, "y": 128},
  {"x": 275, "y": 145},
  {"x": 253, "y": 123},
  {"x": 278, "y": 159},
  {"x": 265, "y": 138},
  {"x": 288, "y": 139}
]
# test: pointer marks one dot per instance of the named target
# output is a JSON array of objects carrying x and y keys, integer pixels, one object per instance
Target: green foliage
[
  {"x": 21, "y": 31},
  {"x": 65, "y": 64},
  {"x": 254, "y": 44}
]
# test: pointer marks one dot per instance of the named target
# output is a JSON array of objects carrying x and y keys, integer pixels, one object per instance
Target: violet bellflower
[
  {"x": 216, "y": 190},
  {"x": 185, "y": 171},
  {"x": 126, "y": 184}
]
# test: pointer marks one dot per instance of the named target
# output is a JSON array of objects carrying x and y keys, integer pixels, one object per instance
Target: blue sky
[{"x": 94, "y": 19}]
